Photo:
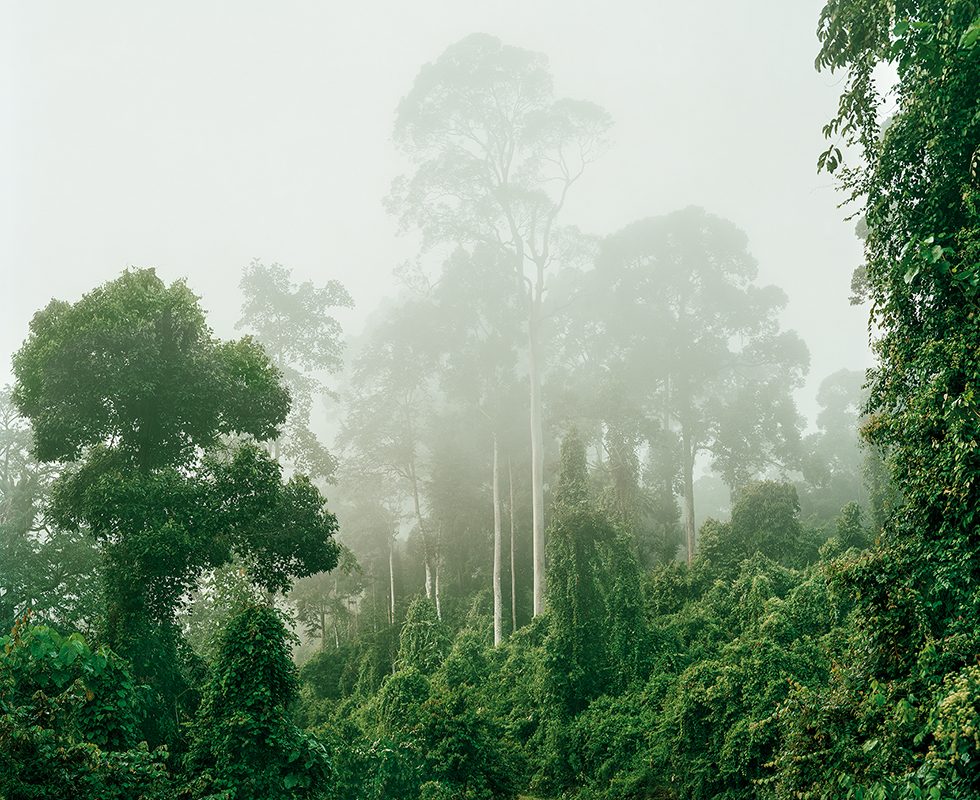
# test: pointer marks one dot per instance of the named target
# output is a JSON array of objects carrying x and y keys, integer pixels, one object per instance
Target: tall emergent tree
[
  {"x": 128, "y": 390},
  {"x": 495, "y": 157},
  {"x": 696, "y": 343}
]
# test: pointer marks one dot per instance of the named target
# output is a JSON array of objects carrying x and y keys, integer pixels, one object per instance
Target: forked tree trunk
[{"x": 498, "y": 601}]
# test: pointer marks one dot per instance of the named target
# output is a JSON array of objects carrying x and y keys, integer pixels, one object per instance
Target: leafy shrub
[{"x": 69, "y": 722}]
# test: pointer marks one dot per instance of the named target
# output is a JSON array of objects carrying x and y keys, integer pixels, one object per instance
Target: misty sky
[{"x": 195, "y": 136}]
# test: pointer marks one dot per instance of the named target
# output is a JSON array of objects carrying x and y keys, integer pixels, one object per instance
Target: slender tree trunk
[
  {"x": 513, "y": 572},
  {"x": 426, "y": 545},
  {"x": 436, "y": 592},
  {"x": 498, "y": 601},
  {"x": 336, "y": 594},
  {"x": 689, "y": 527},
  {"x": 391, "y": 581},
  {"x": 537, "y": 459},
  {"x": 323, "y": 630}
]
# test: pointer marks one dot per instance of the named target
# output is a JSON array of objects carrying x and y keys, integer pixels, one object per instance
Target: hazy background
[{"x": 196, "y": 136}]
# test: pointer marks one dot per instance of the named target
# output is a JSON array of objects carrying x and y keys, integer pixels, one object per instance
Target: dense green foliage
[
  {"x": 148, "y": 476},
  {"x": 161, "y": 531},
  {"x": 129, "y": 392},
  {"x": 70, "y": 722},
  {"x": 669, "y": 686}
]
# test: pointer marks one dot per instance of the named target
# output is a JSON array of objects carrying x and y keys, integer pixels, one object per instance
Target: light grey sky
[{"x": 195, "y": 136}]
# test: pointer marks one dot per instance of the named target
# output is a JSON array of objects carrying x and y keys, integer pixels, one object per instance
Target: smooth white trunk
[
  {"x": 391, "y": 581},
  {"x": 513, "y": 571},
  {"x": 436, "y": 593},
  {"x": 537, "y": 469},
  {"x": 431, "y": 581},
  {"x": 689, "y": 527},
  {"x": 498, "y": 601}
]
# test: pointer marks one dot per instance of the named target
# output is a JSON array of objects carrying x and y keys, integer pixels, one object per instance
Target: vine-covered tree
[
  {"x": 596, "y": 634},
  {"x": 244, "y": 744}
]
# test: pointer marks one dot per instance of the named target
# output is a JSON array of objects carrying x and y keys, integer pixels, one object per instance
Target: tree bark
[{"x": 498, "y": 602}]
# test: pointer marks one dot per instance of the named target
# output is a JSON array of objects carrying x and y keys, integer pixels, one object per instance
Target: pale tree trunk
[
  {"x": 498, "y": 602},
  {"x": 438, "y": 599},
  {"x": 689, "y": 527},
  {"x": 513, "y": 572},
  {"x": 336, "y": 594},
  {"x": 323, "y": 630},
  {"x": 431, "y": 588},
  {"x": 534, "y": 297},
  {"x": 391, "y": 581},
  {"x": 537, "y": 458}
]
